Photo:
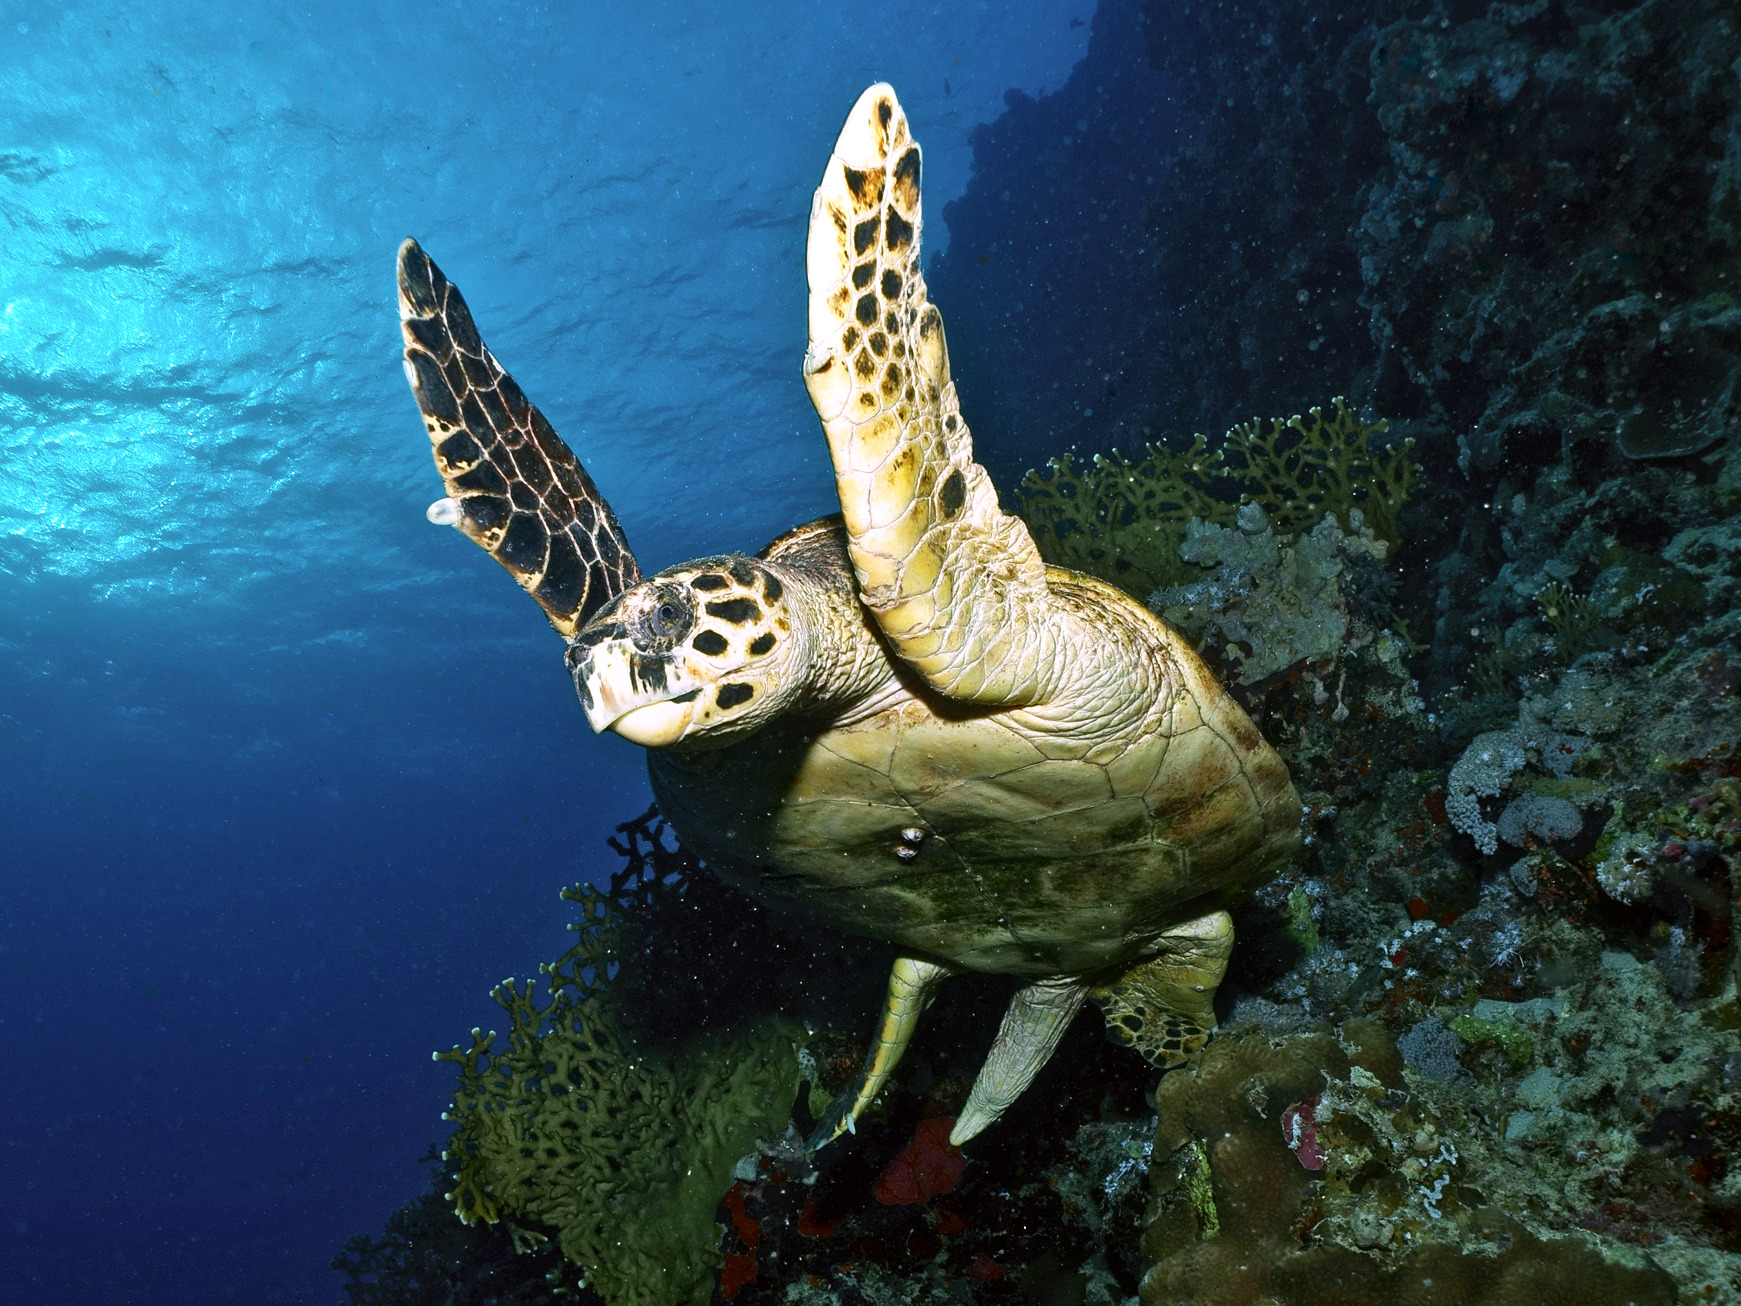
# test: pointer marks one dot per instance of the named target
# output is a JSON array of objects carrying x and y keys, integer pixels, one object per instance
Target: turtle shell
[{"x": 1011, "y": 840}]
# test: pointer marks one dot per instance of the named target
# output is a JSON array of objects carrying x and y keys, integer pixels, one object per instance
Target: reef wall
[{"x": 1481, "y": 1043}]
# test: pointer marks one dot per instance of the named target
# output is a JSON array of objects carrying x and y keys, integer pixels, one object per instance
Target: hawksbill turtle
[{"x": 897, "y": 718}]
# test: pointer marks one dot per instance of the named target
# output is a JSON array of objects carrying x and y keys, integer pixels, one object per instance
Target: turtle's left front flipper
[{"x": 513, "y": 486}]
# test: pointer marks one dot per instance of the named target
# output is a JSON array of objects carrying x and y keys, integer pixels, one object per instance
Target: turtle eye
[{"x": 665, "y": 620}]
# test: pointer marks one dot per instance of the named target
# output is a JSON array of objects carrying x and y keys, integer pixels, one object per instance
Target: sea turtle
[{"x": 898, "y": 718}]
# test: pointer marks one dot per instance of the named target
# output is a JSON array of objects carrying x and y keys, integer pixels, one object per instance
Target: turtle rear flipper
[
  {"x": 513, "y": 486},
  {"x": 1164, "y": 1007}
]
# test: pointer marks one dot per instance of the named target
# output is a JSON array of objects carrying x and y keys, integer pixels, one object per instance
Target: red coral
[
  {"x": 749, "y": 1228},
  {"x": 1300, "y": 1130},
  {"x": 738, "y": 1271},
  {"x": 984, "y": 1267},
  {"x": 927, "y": 1167},
  {"x": 813, "y": 1224}
]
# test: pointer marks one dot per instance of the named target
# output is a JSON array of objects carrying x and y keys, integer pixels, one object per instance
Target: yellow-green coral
[
  {"x": 1572, "y": 617},
  {"x": 1124, "y": 521},
  {"x": 1300, "y": 469},
  {"x": 623, "y": 1150}
]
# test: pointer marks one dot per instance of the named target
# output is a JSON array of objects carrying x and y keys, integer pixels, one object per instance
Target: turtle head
[{"x": 701, "y": 654}]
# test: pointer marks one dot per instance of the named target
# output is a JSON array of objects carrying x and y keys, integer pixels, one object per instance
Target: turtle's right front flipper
[{"x": 513, "y": 486}]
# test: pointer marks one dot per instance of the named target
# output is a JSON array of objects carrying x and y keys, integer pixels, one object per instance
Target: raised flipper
[
  {"x": 1032, "y": 1025},
  {"x": 956, "y": 584},
  {"x": 912, "y": 985},
  {"x": 1165, "y": 1007},
  {"x": 513, "y": 486}
]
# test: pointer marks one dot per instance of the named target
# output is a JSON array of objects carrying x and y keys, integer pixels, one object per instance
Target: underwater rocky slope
[{"x": 1483, "y": 1043}]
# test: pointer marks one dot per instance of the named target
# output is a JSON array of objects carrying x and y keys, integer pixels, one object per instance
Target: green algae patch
[
  {"x": 614, "y": 1145},
  {"x": 1516, "y": 1043}
]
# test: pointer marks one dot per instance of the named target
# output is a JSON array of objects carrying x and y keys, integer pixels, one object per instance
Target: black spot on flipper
[
  {"x": 523, "y": 546},
  {"x": 521, "y": 496},
  {"x": 743, "y": 573},
  {"x": 907, "y": 179},
  {"x": 862, "y": 274},
  {"x": 564, "y": 583},
  {"x": 529, "y": 462},
  {"x": 420, "y": 281},
  {"x": 429, "y": 332},
  {"x": 771, "y": 587},
  {"x": 879, "y": 343},
  {"x": 864, "y": 235},
  {"x": 885, "y": 113},
  {"x": 867, "y": 309},
  {"x": 898, "y": 232},
  {"x": 736, "y": 611},
  {"x": 866, "y": 187},
  {"x": 519, "y": 406},
  {"x": 762, "y": 644},
  {"x": 434, "y": 395},
  {"x": 458, "y": 452},
  {"x": 608, "y": 553},
  {"x": 482, "y": 479},
  {"x": 477, "y": 372},
  {"x": 688, "y": 697},
  {"x": 710, "y": 580},
  {"x": 891, "y": 284},
  {"x": 953, "y": 494},
  {"x": 732, "y": 694},
  {"x": 460, "y": 325},
  {"x": 497, "y": 412},
  {"x": 472, "y": 415},
  {"x": 487, "y": 512},
  {"x": 567, "y": 474},
  {"x": 710, "y": 642}
]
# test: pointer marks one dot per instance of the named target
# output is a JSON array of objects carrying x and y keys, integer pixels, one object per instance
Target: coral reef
[
  {"x": 621, "y": 1147},
  {"x": 1332, "y": 1177}
]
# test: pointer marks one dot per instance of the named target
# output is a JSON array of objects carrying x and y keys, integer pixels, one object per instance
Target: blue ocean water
[{"x": 291, "y": 777}]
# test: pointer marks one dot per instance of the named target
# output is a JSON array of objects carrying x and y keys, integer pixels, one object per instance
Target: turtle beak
[{"x": 625, "y": 690}]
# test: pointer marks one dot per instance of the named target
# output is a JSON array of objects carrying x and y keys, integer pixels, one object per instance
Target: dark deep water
[{"x": 292, "y": 778}]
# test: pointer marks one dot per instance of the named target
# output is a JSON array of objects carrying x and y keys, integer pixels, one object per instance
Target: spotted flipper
[
  {"x": 956, "y": 584},
  {"x": 513, "y": 486},
  {"x": 912, "y": 985},
  {"x": 1165, "y": 1007}
]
